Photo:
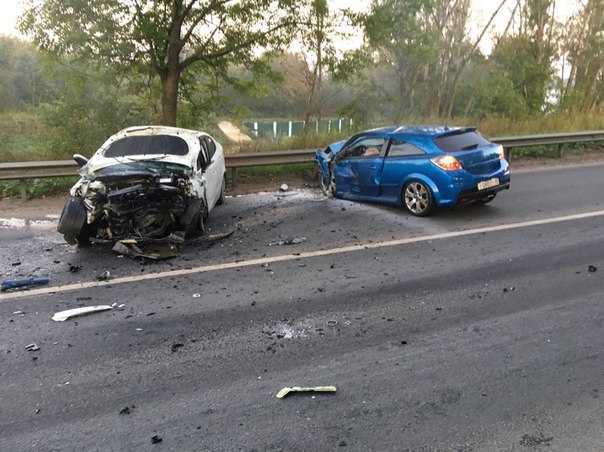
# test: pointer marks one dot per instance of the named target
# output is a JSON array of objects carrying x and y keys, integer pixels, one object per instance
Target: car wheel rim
[
  {"x": 416, "y": 197},
  {"x": 330, "y": 187}
]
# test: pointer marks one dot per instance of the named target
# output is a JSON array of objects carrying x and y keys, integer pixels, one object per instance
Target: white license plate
[{"x": 488, "y": 183}]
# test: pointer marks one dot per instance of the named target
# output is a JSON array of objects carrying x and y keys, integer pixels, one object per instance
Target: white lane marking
[{"x": 291, "y": 257}]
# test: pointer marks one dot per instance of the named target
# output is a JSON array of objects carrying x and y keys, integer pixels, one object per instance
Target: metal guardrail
[{"x": 61, "y": 168}]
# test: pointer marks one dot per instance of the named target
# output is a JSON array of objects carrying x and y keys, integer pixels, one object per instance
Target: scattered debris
[
  {"x": 74, "y": 268},
  {"x": 222, "y": 236},
  {"x": 284, "y": 187},
  {"x": 117, "y": 307},
  {"x": 592, "y": 269},
  {"x": 176, "y": 346},
  {"x": 23, "y": 283},
  {"x": 126, "y": 410},
  {"x": 294, "y": 241},
  {"x": 332, "y": 323},
  {"x": 15, "y": 264},
  {"x": 105, "y": 276},
  {"x": 196, "y": 295},
  {"x": 154, "y": 249},
  {"x": 286, "y": 391},
  {"x": 138, "y": 329},
  {"x": 156, "y": 439},
  {"x": 65, "y": 315},
  {"x": 21, "y": 313},
  {"x": 508, "y": 289},
  {"x": 535, "y": 440},
  {"x": 32, "y": 348}
]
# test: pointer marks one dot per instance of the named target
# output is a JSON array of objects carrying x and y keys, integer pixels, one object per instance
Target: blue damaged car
[{"x": 418, "y": 167}]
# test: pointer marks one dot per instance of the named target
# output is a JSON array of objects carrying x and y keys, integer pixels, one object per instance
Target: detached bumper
[{"x": 474, "y": 193}]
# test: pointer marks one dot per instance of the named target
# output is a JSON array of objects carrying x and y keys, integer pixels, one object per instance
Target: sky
[
  {"x": 9, "y": 11},
  {"x": 482, "y": 10}
]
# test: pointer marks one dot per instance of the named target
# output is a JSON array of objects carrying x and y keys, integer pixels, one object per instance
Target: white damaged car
[{"x": 145, "y": 182}]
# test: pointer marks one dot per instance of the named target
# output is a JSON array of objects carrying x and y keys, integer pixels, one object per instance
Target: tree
[
  {"x": 22, "y": 82},
  {"x": 168, "y": 39},
  {"x": 526, "y": 57},
  {"x": 426, "y": 46},
  {"x": 584, "y": 50}
]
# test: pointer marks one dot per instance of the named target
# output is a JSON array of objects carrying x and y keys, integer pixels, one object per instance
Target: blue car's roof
[{"x": 418, "y": 131}]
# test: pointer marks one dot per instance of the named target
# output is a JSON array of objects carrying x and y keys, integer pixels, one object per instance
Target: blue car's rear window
[
  {"x": 152, "y": 144},
  {"x": 461, "y": 141}
]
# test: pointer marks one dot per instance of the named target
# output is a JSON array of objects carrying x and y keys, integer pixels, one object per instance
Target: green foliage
[
  {"x": 94, "y": 104},
  {"x": 38, "y": 188},
  {"x": 517, "y": 60},
  {"x": 23, "y": 137},
  {"x": 23, "y": 83},
  {"x": 164, "y": 38}
]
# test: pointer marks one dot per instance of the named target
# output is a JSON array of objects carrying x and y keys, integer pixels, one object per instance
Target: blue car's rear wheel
[{"x": 418, "y": 199}]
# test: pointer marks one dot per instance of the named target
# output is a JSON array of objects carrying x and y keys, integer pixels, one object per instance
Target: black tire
[
  {"x": 330, "y": 188},
  {"x": 192, "y": 227},
  {"x": 485, "y": 200},
  {"x": 418, "y": 198},
  {"x": 72, "y": 223},
  {"x": 193, "y": 219},
  {"x": 222, "y": 196},
  {"x": 203, "y": 217}
]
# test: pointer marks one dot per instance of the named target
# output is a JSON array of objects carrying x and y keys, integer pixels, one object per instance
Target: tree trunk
[{"x": 169, "y": 96}]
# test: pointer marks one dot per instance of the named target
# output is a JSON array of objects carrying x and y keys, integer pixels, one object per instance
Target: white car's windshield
[{"x": 147, "y": 144}]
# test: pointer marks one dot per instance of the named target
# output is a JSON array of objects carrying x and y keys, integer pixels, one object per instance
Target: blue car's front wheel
[
  {"x": 418, "y": 199},
  {"x": 328, "y": 188}
]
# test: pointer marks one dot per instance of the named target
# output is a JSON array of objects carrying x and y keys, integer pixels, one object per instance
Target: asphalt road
[{"x": 478, "y": 329}]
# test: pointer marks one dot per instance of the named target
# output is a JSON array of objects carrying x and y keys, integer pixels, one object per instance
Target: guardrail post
[
  {"x": 507, "y": 153},
  {"x": 23, "y": 189},
  {"x": 234, "y": 177},
  {"x": 561, "y": 150}
]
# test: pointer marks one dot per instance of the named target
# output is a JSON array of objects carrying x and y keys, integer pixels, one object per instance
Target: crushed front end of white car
[{"x": 143, "y": 184}]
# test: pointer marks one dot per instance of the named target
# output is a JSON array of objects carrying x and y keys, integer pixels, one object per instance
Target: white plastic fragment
[
  {"x": 65, "y": 315},
  {"x": 286, "y": 391}
]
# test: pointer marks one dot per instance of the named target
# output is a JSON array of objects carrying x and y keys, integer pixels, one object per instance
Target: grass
[
  {"x": 38, "y": 188},
  {"x": 23, "y": 137}
]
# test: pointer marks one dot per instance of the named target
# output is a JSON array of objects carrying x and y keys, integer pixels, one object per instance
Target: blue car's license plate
[{"x": 488, "y": 183}]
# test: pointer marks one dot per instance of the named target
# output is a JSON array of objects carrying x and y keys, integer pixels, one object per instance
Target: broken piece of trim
[
  {"x": 286, "y": 391},
  {"x": 65, "y": 315}
]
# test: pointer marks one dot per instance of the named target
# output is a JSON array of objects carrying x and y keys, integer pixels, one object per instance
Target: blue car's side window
[
  {"x": 403, "y": 149},
  {"x": 365, "y": 147}
]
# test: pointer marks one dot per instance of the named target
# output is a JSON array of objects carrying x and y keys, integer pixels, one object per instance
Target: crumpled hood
[{"x": 337, "y": 146}]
